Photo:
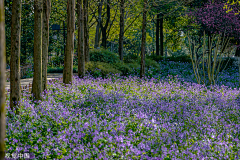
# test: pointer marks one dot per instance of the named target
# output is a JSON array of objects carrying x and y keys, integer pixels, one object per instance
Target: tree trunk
[
  {"x": 68, "y": 57},
  {"x": 86, "y": 35},
  {"x": 15, "y": 85},
  {"x": 97, "y": 35},
  {"x": 45, "y": 41},
  {"x": 104, "y": 28},
  {"x": 121, "y": 34},
  {"x": 37, "y": 75},
  {"x": 81, "y": 56},
  {"x": 2, "y": 81},
  {"x": 143, "y": 47},
  {"x": 157, "y": 34},
  {"x": 161, "y": 34}
]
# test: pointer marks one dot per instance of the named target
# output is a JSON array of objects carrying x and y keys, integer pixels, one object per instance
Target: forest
[{"x": 138, "y": 79}]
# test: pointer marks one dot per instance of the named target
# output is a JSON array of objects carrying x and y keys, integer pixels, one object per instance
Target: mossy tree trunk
[
  {"x": 68, "y": 57},
  {"x": 143, "y": 45},
  {"x": 37, "y": 75},
  {"x": 45, "y": 41},
  {"x": 86, "y": 31},
  {"x": 121, "y": 33},
  {"x": 2, "y": 81},
  {"x": 81, "y": 56},
  {"x": 97, "y": 34},
  {"x": 161, "y": 34},
  {"x": 157, "y": 34},
  {"x": 15, "y": 86},
  {"x": 104, "y": 28}
]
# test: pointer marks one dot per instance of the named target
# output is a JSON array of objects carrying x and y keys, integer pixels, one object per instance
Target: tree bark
[
  {"x": 104, "y": 28},
  {"x": 45, "y": 41},
  {"x": 68, "y": 57},
  {"x": 81, "y": 56},
  {"x": 121, "y": 34},
  {"x": 15, "y": 85},
  {"x": 86, "y": 35},
  {"x": 97, "y": 35},
  {"x": 161, "y": 34},
  {"x": 2, "y": 81},
  {"x": 157, "y": 34},
  {"x": 37, "y": 75},
  {"x": 143, "y": 47}
]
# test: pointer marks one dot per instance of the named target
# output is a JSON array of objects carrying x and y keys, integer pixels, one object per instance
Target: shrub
[
  {"x": 123, "y": 67},
  {"x": 130, "y": 58},
  {"x": 155, "y": 57},
  {"x": 56, "y": 60},
  {"x": 60, "y": 69},
  {"x": 181, "y": 58},
  {"x": 97, "y": 69},
  {"x": 102, "y": 55}
]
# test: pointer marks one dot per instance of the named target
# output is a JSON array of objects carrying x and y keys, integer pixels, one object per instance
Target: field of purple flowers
[{"x": 161, "y": 117}]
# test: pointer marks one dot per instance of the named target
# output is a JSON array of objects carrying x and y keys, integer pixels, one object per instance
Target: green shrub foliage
[
  {"x": 102, "y": 55},
  {"x": 101, "y": 69}
]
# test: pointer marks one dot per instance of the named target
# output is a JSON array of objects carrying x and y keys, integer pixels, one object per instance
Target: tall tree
[
  {"x": 97, "y": 35},
  {"x": 157, "y": 34},
  {"x": 143, "y": 47},
  {"x": 15, "y": 86},
  {"x": 37, "y": 56},
  {"x": 81, "y": 56},
  {"x": 121, "y": 33},
  {"x": 104, "y": 28},
  {"x": 45, "y": 41},
  {"x": 2, "y": 81},
  {"x": 86, "y": 31},
  {"x": 161, "y": 34},
  {"x": 68, "y": 57}
]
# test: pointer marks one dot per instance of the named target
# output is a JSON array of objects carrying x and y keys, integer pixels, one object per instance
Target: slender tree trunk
[
  {"x": 121, "y": 34},
  {"x": 68, "y": 57},
  {"x": 45, "y": 41},
  {"x": 143, "y": 47},
  {"x": 237, "y": 54},
  {"x": 161, "y": 34},
  {"x": 104, "y": 28},
  {"x": 2, "y": 81},
  {"x": 37, "y": 75},
  {"x": 86, "y": 35},
  {"x": 97, "y": 35},
  {"x": 157, "y": 34},
  {"x": 81, "y": 56},
  {"x": 15, "y": 86}
]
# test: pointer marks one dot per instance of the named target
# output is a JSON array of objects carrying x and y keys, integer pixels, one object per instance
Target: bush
[
  {"x": 123, "y": 67},
  {"x": 97, "y": 69},
  {"x": 130, "y": 58},
  {"x": 56, "y": 61},
  {"x": 155, "y": 57},
  {"x": 60, "y": 69},
  {"x": 182, "y": 58},
  {"x": 102, "y": 55}
]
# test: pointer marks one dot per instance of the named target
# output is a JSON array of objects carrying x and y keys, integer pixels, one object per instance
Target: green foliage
[
  {"x": 130, "y": 58},
  {"x": 102, "y": 55},
  {"x": 155, "y": 57},
  {"x": 151, "y": 63},
  {"x": 60, "y": 69},
  {"x": 181, "y": 58},
  {"x": 56, "y": 61},
  {"x": 101, "y": 69},
  {"x": 123, "y": 67}
]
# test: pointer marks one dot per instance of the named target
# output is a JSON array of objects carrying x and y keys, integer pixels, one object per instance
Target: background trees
[
  {"x": 15, "y": 54},
  {"x": 45, "y": 41},
  {"x": 2, "y": 81},
  {"x": 68, "y": 57},
  {"x": 37, "y": 77}
]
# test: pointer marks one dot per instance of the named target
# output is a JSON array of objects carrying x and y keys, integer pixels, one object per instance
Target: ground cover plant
[{"x": 163, "y": 116}]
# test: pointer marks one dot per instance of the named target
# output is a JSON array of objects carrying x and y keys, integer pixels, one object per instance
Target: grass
[{"x": 164, "y": 116}]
